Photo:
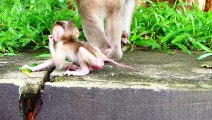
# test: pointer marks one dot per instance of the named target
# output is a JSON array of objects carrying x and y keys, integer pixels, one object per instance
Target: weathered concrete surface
[
  {"x": 124, "y": 104},
  {"x": 9, "y": 102},
  {"x": 179, "y": 71},
  {"x": 164, "y": 87},
  {"x": 13, "y": 83}
]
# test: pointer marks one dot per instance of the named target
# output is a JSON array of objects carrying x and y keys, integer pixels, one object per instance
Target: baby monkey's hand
[{"x": 51, "y": 41}]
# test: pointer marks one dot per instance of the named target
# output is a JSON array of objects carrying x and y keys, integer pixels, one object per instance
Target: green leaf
[
  {"x": 192, "y": 22},
  {"x": 151, "y": 43},
  {"x": 44, "y": 55},
  {"x": 180, "y": 38},
  {"x": 34, "y": 64},
  {"x": 36, "y": 47},
  {"x": 10, "y": 54},
  {"x": 10, "y": 50},
  {"x": 134, "y": 38},
  {"x": 24, "y": 41},
  {"x": 25, "y": 70},
  {"x": 184, "y": 48},
  {"x": 166, "y": 38},
  {"x": 171, "y": 34},
  {"x": 204, "y": 56},
  {"x": 170, "y": 52},
  {"x": 201, "y": 46}
]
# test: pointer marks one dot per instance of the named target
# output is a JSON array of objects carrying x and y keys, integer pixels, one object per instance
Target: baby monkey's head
[{"x": 61, "y": 27}]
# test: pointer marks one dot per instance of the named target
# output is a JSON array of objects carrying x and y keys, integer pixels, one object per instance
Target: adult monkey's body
[{"x": 116, "y": 14}]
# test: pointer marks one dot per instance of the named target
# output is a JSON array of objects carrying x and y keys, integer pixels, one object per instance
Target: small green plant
[
  {"x": 59, "y": 79},
  {"x": 161, "y": 26}
]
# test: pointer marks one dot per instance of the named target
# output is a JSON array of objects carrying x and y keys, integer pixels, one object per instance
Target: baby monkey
[
  {"x": 81, "y": 53},
  {"x": 64, "y": 44},
  {"x": 58, "y": 30}
]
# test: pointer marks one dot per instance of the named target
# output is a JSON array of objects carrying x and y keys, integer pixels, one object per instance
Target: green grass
[
  {"x": 163, "y": 27},
  {"x": 25, "y": 23}
]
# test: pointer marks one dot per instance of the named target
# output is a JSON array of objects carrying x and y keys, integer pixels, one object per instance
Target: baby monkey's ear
[{"x": 68, "y": 36}]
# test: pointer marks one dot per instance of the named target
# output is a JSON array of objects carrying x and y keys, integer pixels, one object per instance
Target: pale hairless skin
[{"x": 86, "y": 56}]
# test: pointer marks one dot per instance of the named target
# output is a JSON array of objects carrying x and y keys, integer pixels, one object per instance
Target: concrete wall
[
  {"x": 9, "y": 100},
  {"x": 78, "y": 103}
]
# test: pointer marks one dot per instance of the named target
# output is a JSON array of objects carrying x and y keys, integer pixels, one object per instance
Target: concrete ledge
[
  {"x": 165, "y": 87},
  {"x": 13, "y": 83},
  {"x": 9, "y": 99},
  {"x": 93, "y": 103}
]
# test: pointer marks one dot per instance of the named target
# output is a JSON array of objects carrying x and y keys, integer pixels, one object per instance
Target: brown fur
[
  {"x": 95, "y": 51},
  {"x": 103, "y": 22},
  {"x": 208, "y": 6},
  {"x": 69, "y": 38},
  {"x": 67, "y": 25}
]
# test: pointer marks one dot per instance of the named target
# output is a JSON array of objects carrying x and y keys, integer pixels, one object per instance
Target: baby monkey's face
[{"x": 57, "y": 32}]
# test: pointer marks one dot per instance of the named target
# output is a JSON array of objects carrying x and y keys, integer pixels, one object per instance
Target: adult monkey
[{"x": 117, "y": 16}]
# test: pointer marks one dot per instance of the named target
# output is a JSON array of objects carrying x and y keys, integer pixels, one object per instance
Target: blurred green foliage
[
  {"x": 28, "y": 22},
  {"x": 168, "y": 27},
  {"x": 25, "y": 23}
]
